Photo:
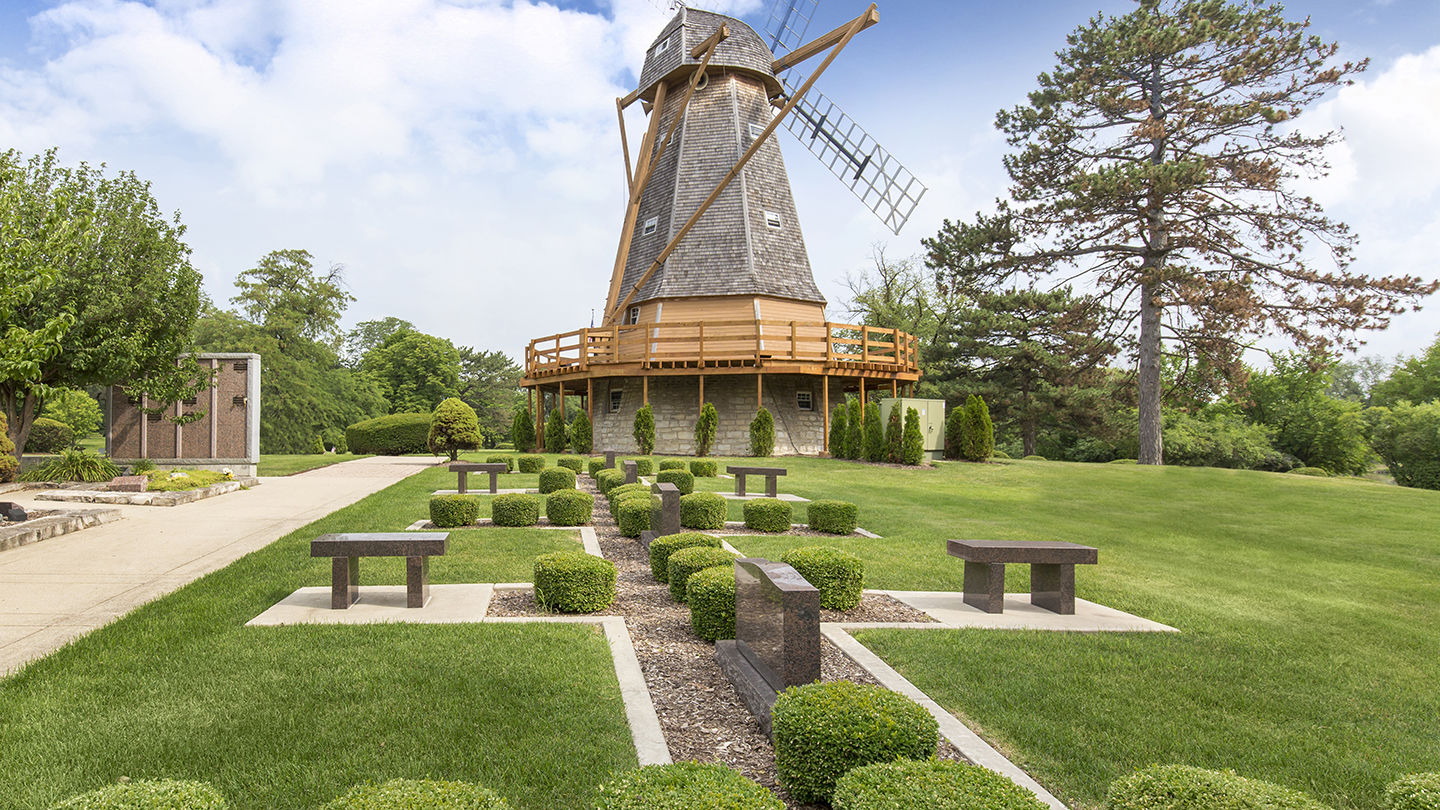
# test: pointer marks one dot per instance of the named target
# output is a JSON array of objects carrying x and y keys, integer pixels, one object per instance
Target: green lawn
[
  {"x": 290, "y": 717},
  {"x": 279, "y": 464}
]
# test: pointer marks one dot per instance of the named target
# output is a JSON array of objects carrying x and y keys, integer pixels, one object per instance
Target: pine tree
[
  {"x": 874, "y": 434},
  {"x": 893, "y": 444},
  {"x": 644, "y": 430},
  {"x": 706, "y": 426},
  {"x": 912, "y": 445},
  {"x": 581, "y": 433},
  {"x": 556, "y": 435},
  {"x": 762, "y": 434},
  {"x": 839, "y": 432},
  {"x": 522, "y": 430}
]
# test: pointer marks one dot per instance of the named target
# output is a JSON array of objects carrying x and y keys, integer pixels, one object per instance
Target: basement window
[
  {"x": 805, "y": 400},
  {"x": 650, "y": 225},
  {"x": 616, "y": 397},
  {"x": 238, "y": 401},
  {"x": 772, "y": 220}
]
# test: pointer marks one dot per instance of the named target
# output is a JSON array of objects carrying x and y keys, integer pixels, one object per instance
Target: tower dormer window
[
  {"x": 772, "y": 220},
  {"x": 650, "y": 225},
  {"x": 663, "y": 46},
  {"x": 632, "y": 316},
  {"x": 755, "y": 130}
]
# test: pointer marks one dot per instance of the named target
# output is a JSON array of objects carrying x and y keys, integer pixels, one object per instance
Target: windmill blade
[
  {"x": 872, "y": 174},
  {"x": 789, "y": 19}
]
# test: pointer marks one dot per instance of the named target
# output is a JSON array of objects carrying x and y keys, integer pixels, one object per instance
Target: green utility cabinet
[{"x": 932, "y": 420}]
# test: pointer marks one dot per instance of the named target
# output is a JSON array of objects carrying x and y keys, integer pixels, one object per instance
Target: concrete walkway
[{"x": 61, "y": 589}]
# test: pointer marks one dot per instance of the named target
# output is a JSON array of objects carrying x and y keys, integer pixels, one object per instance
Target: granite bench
[
  {"x": 346, "y": 550},
  {"x": 1052, "y": 571},
  {"x": 464, "y": 467},
  {"x": 772, "y": 474}
]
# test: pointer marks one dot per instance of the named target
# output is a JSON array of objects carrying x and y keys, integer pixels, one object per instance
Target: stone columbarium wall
[{"x": 676, "y": 402}]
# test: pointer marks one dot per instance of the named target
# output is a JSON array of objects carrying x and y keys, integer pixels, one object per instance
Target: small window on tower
[
  {"x": 663, "y": 46},
  {"x": 755, "y": 130},
  {"x": 805, "y": 400},
  {"x": 650, "y": 225},
  {"x": 633, "y": 316},
  {"x": 772, "y": 220},
  {"x": 616, "y": 397}
]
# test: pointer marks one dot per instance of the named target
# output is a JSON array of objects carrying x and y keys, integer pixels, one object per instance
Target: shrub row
[
  {"x": 574, "y": 582},
  {"x": 515, "y": 509},
  {"x": 633, "y": 514},
  {"x": 595, "y": 465},
  {"x": 682, "y": 479},
  {"x": 1182, "y": 787},
  {"x": 767, "y": 515},
  {"x": 703, "y": 510},
  {"x": 555, "y": 479},
  {"x": 605, "y": 479},
  {"x": 530, "y": 463},
  {"x": 662, "y": 547},
  {"x": 680, "y": 565},
  {"x": 684, "y": 786},
  {"x": 507, "y": 459},
  {"x": 929, "y": 783},
  {"x": 838, "y": 575},
  {"x": 704, "y": 469},
  {"x": 832, "y": 517},
  {"x": 673, "y": 464},
  {"x": 574, "y": 464},
  {"x": 569, "y": 507},
  {"x": 393, "y": 435}
]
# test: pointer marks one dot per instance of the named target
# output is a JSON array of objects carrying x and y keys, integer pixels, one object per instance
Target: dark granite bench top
[
  {"x": 471, "y": 466},
  {"x": 380, "y": 544},
  {"x": 1043, "y": 552},
  {"x": 755, "y": 470}
]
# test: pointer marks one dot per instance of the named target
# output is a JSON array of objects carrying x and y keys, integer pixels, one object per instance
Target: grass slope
[{"x": 281, "y": 464}]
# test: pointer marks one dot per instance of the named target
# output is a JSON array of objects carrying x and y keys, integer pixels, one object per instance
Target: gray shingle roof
[{"x": 743, "y": 50}]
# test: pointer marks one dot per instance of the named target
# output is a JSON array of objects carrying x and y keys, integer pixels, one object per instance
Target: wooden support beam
[
  {"x": 854, "y": 28},
  {"x": 759, "y": 392},
  {"x": 702, "y": 392},
  {"x": 720, "y": 35},
  {"x": 632, "y": 209},
  {"x": 862, "y": 400},
  {"x": 894, "y": 389},
  {"x": 800, "y": 54},
  {"x": 625, "y": 149},
  {"x": 645, "y": 390},
  {"x": 590, "y": 401},
  {"x": 825, "y": 414}
]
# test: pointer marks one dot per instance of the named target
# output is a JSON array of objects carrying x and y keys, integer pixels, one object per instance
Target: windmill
[{"x": 711, "y": 277}]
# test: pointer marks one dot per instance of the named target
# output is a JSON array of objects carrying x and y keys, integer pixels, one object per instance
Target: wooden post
[
  {"x": 590, "y": 401},
  {"x": 702, "y": 392},
  {"x": 864, "y": 347},
  {"x": 560, "y": 402},
  {"x": 894, "y": 389},
  {"x": 759, "y": 391},
  {"x": 825, "y": 417},
  {"x": 792, "y": 340},
  {"x": 645, "y": 390},
  {"x": 862, "y": 400}
]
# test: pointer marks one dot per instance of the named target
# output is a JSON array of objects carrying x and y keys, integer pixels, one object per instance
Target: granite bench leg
[
  {"x": 772, "y": 486},
  {"x": 740, "y": 484},
  {"x": 417, "y": 581},
  {"x": 985, "y": 586},
  {"x": 1052, "y": 587},
  {"x": 461, "y": 473},
  {"x": 344, "y": 582},
  {"x": 494, "y": 483}
]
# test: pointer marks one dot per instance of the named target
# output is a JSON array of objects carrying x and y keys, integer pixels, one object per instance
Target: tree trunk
[
  {"x": 1027, "y": 437},
  {"x": 1151, "y": 446},
  {"x": 17, "y": 425}
]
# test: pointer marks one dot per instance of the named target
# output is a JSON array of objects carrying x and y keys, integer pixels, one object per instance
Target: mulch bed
[{"x": 700, "y": 713}]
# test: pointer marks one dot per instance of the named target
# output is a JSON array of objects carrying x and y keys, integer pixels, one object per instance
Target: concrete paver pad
[
  {"x": 948, "y": 608},
  {"x": 67, "y": 586},
  {"x": 379, "y": 604}
]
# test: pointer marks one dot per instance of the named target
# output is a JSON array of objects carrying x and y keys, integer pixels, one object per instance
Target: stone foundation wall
[{"x": 676, "y": 402}]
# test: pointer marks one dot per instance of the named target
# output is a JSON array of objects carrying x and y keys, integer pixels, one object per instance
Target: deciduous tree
[{"x": 415, "y": 370}]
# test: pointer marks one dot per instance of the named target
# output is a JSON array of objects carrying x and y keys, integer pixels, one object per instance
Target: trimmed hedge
[
  {"x": 556, "y": 479},
  {"x": 1000, "y": 454},
  {"x": 393, "y": 435},
  {"x": 682, "y": 479},
  {"x": 51, "y": 436},
  {"x": 595, "y": 465},
  {"x": 673, "y": 464},
  {"x": 507, "y": 459},
  {"x": 662, "y": 547},
  {"x": 605, "y": 479},
  {"x": 823, "y": 730},
  {"x": 1034, "y": 457},
  {"x": 633, "y": 515},
  {"x": 838, "y": 575},
  {"x": 569, "y": 507},
  {"x": 832, "y": 517},
  {"x": 704, "y": 469},
  {"x": 684, "y": 786},
  {"x": 1417, "y": 791},
  {"x": 681, "y": 564},
  {"x": 574, "y": 464},
  {"x": 515, "y": 509},
  {"x": 710, "y": 593},
  {"x": 617, "y": 494},
  {"x": 148, "y": 794},
  {"x": 531, "y": 463},
  {"x": 1182, "y": 787},
  {"x": 453, "y": 511},
  {"x": 574, "y": 582},
  {"x": 703, "y": 510},
  {"x": 411, "y": 794},
  {"x": 1318, "y": 472},
  {"x": 931, "y": 784},
  {"x": 767, "y": 515},
  {"x": 643, "y": 466},
  {"x": 1112, "y": 461}
]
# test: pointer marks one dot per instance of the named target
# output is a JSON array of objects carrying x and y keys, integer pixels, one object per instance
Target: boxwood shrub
[
  {"x": 832, "y": 517},
  {"x": 50, "y": 436},
  {"x": 569, "y": 507},
  {"x": 823, "y": 730},
  {"x": 617, "y": 494},
  {"x": 507, "y": 459},
  {"x": 703, "y": 510},
  {"x": 574, "y": 582},
  {"x": 148, "y": 794},
  {"x": 1318, "y": 472},
  {"x": 405, "y": 794},
  {"x": 595, "y": 465},
  {"x": 683, "y": 786},
  {"x": 605, "y": 479},
  {"x": 838, "y": 575},
  {"x": 1418, "y": 791},
  {"x": 574, "y": 464},
  {"x": 767, "y": 515},
  {"x": 530, "y": 463},
  {"x": 1182, "y": 787},
  {"x": 930, "y": 783},
  {"x": 633, "y": 515},
  {"x": 710, "y": 593},
  {"x": 1033, "y": 457},
  {"x": 453, "y": 511},
  {"x": 704, "y": 468},
  {"x": 662, "y": 547},
  {"x": 393, "y": 435},
  {"x": 673, "y": 464},
  {"x": 555, "y": 479},
  {"x": 681, "y": 564},
  {"x": 643, "y": 466},
  {"x": 682, "y": 479},
  {"x": 515, "y": 509}
]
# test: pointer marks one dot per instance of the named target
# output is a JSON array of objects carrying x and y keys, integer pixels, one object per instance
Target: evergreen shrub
[
  {"x": 643, "y": 466},
  {"x": 706, "y": 426},
  {"x": 453, "y": 427},
  {"x": 51, "y": 436},
  {"x": 854, "y": 429},
  {"x": 684, "y": 786},
  {"x": 767, "y": 515},
  {"x": 832, "y": 517},
  {"x": 148, "y": 794},
  {"x": 1417, "y": 791},
  {"x": 556, "y": 478},
  {"x": 957, "y": 427},
  {"x": 574, "y": 582},
  {"x": 507, "y": 459},
  {"x": 644, "y": 430},
  {"x": 894, "y": 446},
  {"x": 673, "y": 464},
  {"x": 515, "y": 509},
  {"x": 682, "y": 479},
  {"x": 522, "y": 429},
  {"x": 704, "y": 469},
  {"x": 762, "y": 434},
  {"x": 912, "y": 442},
  {"x": 662, "y": 547},
  {"x": 557, "y": 434},
  {"x": 838, "y": 431},
  {"x": 393, "y": 435},
  {"x": 633, "y": 515},
  {"x": 574, "y": 464},
  {"x": 681, "y": 564},
  {"x": 874, "y": 434},
  {"x": 453, "y": 511},
  {"x": 606, "y": 480},
  {"x": 930, "y": 783},
  {"x": 838, "y": 575},
  {"x": 419, "y": 794},
  {"x": 824, "y": 730},
  {"x": 1182, "y": 787},
  {"x": 710, "y": 593},
  {"x": 569, "y": 507},
  {"x": 530, "y": 463},
  {"x": 581, "y": 434},
  {"x": 617, "y": 494},
  {"x": 595, "y": 465},
  {"x": 703, "y": 510},
  {"x": 317, "y": 447}
]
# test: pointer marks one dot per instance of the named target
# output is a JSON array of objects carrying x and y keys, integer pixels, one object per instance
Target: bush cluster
[
  {"x": 838, "y": 575},
  {"x": 568, "y": 507},
  {"x": 148, "y": 794},
  {"x": 823, "y": 730},
  {"x": 711, "y": 595},
  {"x": 9, "y": 465},
  {"x": 1418, "y": 791},
  {"x": 703, "y": 510},
  {"x": 662, "y": 547},
  {"x": 574, "y": 464},
  {"x": 1407, "y": 439},
  {"x": 574, "y": 582},
  {"x": 507, "y": 459},
  {"x": 1182, "y": 787},
  {"x": 673, "y": 464},
  {"x": 633, "y": 514},
  {"x": 704, "y": 469},
  {"x": 530, "y": 463},
  {"x": 684, "y": 786},
  {"x": 682, "y": 479},
  {"x": 404, "y": 794},
  {"x": 515, "y": 509},
  {"x": 453, "y": 427},
  {"x": 393, "y": 435},
  {"x": 595, "y": 465},
  {"x": 767, "y": 515},
  {"x": 605, "y": 480},
  {"x": 832, "y": 517},
  {"x": 969, "y": 432},
  {"x": 453, "y": 511},
  {"x": 555, "y": 479},
  {"x": 681, "y": 564},
  {"x": 762, "y": 434},
  {"x": 50, "y": 436},
  {"x": 929, "y": 783}
]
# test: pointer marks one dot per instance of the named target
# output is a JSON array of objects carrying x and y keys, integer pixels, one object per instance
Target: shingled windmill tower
[{"x": 711, "y": 295}]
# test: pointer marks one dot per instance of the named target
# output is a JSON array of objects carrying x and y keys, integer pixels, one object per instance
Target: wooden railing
[{"x": 717, "y": 344}]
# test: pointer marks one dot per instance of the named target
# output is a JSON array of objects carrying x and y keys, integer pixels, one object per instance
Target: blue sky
[{"x": 461, "y": 159}]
